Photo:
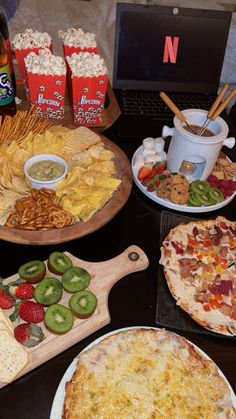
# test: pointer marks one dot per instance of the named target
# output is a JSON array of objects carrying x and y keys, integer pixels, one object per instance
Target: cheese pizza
[
  {"x": 199, "y": 266},
  {"x": 146, "y": 373}
]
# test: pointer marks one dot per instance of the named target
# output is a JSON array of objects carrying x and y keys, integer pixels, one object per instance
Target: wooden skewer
[
  {"x": 213, "y": 108},
  {"x": 175, "y": 109},
  {"x": 220, "y": 109}
]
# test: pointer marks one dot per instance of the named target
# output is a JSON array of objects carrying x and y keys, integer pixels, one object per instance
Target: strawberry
[
  {"x": 159, "y": 169},
  {"x": 28, "y": 334},
  {"x": 24, "y": 290},
  {"x": 145, "y": 172},
  {"x": 31, "y": 312},
  {"x": 6, "y": 300}
]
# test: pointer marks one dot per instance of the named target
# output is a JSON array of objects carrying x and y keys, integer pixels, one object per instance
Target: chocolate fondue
[{"x": 196, "y": 129}]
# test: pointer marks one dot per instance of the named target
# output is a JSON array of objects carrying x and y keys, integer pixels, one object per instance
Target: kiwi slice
[
  {"x": 32, "y": 271},
  {"x": 205, "y": 199},
  {"x": 216, "y": 194},
  {"x": 58, "y": 319},
  {"x": 194, "y": 200},
  {"x": 199, "y": 186},
  {"x": 83, "y": 303},
  {"x": 48, "y": 291},
  {"x": 75, "y": 279},
  {"x": 58, "y": 263}
]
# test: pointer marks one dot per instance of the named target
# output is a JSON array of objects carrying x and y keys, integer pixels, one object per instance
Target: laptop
[{"x": 160, "y": 48}]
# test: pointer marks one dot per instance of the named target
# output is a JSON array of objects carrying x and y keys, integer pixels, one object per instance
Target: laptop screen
[{"x": 169, "y": 48}]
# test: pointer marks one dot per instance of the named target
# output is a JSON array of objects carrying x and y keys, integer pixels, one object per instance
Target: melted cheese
[{"x": 146, "y": 375}]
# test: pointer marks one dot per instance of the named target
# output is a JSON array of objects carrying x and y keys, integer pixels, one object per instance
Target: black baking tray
[{"x": 168, "y": 314}]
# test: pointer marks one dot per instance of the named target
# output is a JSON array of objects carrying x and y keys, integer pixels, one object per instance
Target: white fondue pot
[{"x": 193, "y": 155}]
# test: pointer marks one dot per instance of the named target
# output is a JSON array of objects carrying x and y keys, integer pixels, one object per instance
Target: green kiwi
[
  {"x": 48, "y": 291},
  {"x": 58, "y": 263},
  {"x": 199, "y": 186},
  {"x": 216, "y": 194},
  {"x": 58, "y": 319},
  {"x": 32, "y": 271},
  {"x": 83, "y": 303},
  {"x": 75, "y": 279}
]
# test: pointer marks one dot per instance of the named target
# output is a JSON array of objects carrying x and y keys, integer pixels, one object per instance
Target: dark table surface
[{"x": 132, "y": 301}]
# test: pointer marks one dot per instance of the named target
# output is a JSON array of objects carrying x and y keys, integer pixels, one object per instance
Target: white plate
[
  {"x": 169, "y": 204},
  {"x": 58, "y": 401}
]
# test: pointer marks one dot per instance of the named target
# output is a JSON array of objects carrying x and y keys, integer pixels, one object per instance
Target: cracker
[
  {"x": 13, "y": 357},
  {"x": 4, "y": 319}
]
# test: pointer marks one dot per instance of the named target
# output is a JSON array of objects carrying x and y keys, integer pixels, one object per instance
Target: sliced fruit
[
  {"x": 32, "y": 271},
  {"x": 216, "y": 194},
  {"x": 28, "y": 334},
  {"x": 58, "y": 263},
  {"x": 75, "y": 279},
  {"x": 83, "y": 303},
  {"x": 58, "y": 319},
  {"x": 199, "y": 186},
  {"x": 144, "y": 172},
  {"x": 48, "y": 291},
  {"x": 205, "y": 199},
  {"x": 6, "y": 299},
  {"x": 194, "y": 200},
  {"x": 31, "y": 312},
  {"x": 21, "y": 289}
]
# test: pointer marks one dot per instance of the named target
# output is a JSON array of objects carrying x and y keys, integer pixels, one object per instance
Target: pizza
[
  {"x": 146, "y": 373},
  {"x": 199, "y": 267}
]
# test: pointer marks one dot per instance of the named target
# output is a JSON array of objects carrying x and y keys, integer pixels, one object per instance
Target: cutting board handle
[{"x": 107, "y": 273}]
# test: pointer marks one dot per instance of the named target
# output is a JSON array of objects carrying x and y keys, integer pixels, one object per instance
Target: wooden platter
[
  {"x": 110, "y": 209},
  {"x": 103, "y": 276}
]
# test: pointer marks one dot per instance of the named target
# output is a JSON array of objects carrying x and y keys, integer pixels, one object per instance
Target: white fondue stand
[{"x": 194, "y": 155}]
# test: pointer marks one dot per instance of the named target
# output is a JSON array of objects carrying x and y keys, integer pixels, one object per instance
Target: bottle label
[
  {"x": 6, "y": 88},
  {"x": 8, "y": 47}
]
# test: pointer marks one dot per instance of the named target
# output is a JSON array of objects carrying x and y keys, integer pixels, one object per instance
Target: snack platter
[
  {"x": 79, "y": 229},
  {"x": 100, "y": 285},
  {"x": 58, "y": 401},
  {"x": 168, "y": 314},
  {"x": 167, "y": 203}
]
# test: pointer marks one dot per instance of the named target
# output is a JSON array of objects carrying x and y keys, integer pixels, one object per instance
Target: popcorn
[
  {"x": 78, "y": 38},
  {"x": 45, "y": 63},
  {"x": 88, "y": 83},
  {"x": 86, "y": 64},
  {"x": 27, "y": 42},
  {"x": 31, "y": 39}
]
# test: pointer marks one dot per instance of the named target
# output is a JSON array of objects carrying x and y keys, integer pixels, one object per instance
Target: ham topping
[
  {"x": 224, "y": 287},
  {"x": 178, "y": 249}
]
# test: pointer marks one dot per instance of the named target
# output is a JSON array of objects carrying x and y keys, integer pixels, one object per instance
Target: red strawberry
[
  {"x": 159, "y": 169},
  {"x": 31, "y": 312},
  {"x": 24, "y": 291},
  {"x": 28, "y": 334},
  {"x": 144, "y": 172},
  {"x": 6, "y": 300}
]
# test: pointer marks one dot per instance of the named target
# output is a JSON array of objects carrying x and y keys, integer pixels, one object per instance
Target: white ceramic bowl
[{"x": 50, "y": 184}]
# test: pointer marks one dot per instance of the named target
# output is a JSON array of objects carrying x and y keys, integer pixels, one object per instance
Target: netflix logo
[{"x": 170, "y": 49}]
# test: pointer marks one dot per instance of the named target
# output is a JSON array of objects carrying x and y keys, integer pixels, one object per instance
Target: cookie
[
  {"x": 164, "y": 188},
  {"x": 178, "y": 178},
  {"x": 179, "y": 194}
]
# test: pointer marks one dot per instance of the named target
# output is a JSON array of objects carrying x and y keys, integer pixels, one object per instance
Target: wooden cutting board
[{"x": 103, "y": 276}]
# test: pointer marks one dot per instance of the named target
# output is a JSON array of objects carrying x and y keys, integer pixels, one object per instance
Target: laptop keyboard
[{"x": 150, "y": 104}]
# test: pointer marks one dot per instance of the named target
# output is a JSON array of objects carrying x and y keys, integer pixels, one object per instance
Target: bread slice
[{"x": 13, "y": 357}]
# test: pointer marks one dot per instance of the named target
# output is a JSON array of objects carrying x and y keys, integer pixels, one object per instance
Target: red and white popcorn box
[
  {"x": 47, "y": 94},
  {"x": 88, "y": 99},
  {"x": 70, "y": 49},
  {"x": 46, "y": 75},
  {"x": 87, "y": 87}
]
